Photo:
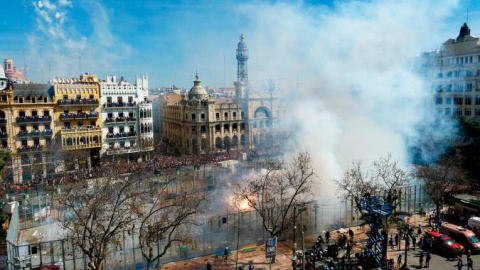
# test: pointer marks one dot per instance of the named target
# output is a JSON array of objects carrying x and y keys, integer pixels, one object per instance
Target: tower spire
[{"x": 242, "y": 58}]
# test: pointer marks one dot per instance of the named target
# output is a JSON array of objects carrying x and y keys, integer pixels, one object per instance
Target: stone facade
[
  {"x": 127, "y": 116},
  {"x": 199, "y": 123},
  {"x": 454, "y": 70}
]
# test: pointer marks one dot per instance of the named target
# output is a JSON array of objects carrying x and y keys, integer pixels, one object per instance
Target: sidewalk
[{"x": 283, "y": 261}]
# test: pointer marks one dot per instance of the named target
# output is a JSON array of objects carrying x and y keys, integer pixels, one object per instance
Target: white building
[
  {"x": 127, "y": 116},
  {"x": 454, "y": 70}
]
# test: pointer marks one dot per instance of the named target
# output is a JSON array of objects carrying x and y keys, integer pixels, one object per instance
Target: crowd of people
[{"x": 156, "y": 164}]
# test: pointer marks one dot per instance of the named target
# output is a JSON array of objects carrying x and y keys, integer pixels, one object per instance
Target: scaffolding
[{"x": 377, "y": 209}]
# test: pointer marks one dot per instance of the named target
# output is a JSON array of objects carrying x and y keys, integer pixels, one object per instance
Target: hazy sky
[{"x": 169, "y": 40}]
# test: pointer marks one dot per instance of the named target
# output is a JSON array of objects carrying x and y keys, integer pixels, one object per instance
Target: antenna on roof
[
  {"x": 467, "y": 15},
  {"x": 79, "y": 65}
]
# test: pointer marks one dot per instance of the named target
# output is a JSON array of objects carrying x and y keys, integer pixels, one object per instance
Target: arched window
[{"x": 439, "y": 75}]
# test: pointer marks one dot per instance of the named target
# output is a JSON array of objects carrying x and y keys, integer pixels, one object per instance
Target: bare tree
[
  {"x": 166, "y": 219},
  {"x": 97, "y": 212},
  {"x": 275, "y": 193},
  {"x": 384, "y": 180},
  {"x": 441, "y": 178}
]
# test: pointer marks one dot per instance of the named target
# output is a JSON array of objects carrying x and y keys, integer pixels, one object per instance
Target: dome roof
[
  {"x": 197, "y": 92},
  {"x": 2, "y": 73}
]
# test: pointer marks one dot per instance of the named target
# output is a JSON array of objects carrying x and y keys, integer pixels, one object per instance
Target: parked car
[
  {"x": 463, "y": 236},
  {"x": 442, "y": 243}
]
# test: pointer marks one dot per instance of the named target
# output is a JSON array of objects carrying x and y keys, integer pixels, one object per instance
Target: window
[
  {"x": 110, "y": 130},
  {"x": 469, "y": 87},
  {"x": 204, "y": 129},
  {"x": 194, "y": 130},
  {"x": 458, "y": 112},
  {"x": 226, "y": 116},
  {"x": 468, "y": 73},
  {"x": 79, "y": 109},
  {"x": 449, "y": 74},
  {"x": 65, "y": 96},
  {"x": 109, "y": 115},
  {"x": 477, "y": 112},
  {"x": 468, "y": 100},
  {"x": 448, "y": 111},
  {"x": 439, "y": 111},
  {"x": 458, "y": 73},
  {"x": 449, "y": 88},
  {"x": 438, "y": 101},
  {"x": 92, "y": 123},
  {"x": 186, "y": 116},
  {"x": 47, "y": 127},
  {"x": 225, "y": 127},
  {"x": 67, "y": 125},
  {"x": 130, "y": 99},
  {"x": 439, "y": 89},
  {"x": 471, "y": 59},
  {"x": 242, "y": 115},
  {"x": 234, "y": 115},
  {"x": 22, "y": 114},
  {"x": 121, "y": 129},
  {"x": 457, "y": 100},
  {"x": 439, "y": 75},
  {"x": 217, "y": 115},
  {"x": 34, "y": 113},
  {"x": 79, "y": 97},
  {"x": 193, "y": 117},
  {"x": 448, "y": 101},
  {"x": 20, "y": 99},
  {"x": 120, "y": 114},
  {"x": 80, "y": 123},
  {"x": 24, "y": 143},
  {"x": 468, "y": 112},
  {"x": 477, "y": 100},
  {"x": 36, "y": 142},
  {"x": 109, "y": 99},
  {"x": 90, "y": 97},
  {"x": 35, "y": 127},
  {"x": 202, "y": 116},
  {"x": 119, "y": 100}
]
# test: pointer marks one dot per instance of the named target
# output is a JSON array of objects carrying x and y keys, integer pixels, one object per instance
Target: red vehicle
[{"x": 442, "y": 243}]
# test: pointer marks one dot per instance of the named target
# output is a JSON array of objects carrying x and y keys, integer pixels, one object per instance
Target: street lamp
[
  {"x": 405, "y": 266},
  {"x": 301, "y": 208},
  {"x": 241, "y": 205}
]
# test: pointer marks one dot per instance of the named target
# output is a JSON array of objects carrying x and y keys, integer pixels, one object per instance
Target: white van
[{"x": 474, "y": 224}]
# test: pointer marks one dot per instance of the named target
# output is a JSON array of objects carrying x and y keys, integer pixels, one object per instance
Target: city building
[
  {"x": 26, "y": 129},
  {"x": 454, "y": 70},
  {"x": 127, "y": 126},
  {"x": 12, "y": 73},
  {"x": 78, "y": 120},
  {"x": 200, "y": 123}
]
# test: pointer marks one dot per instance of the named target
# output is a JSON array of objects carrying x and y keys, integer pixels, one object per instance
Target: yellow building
[
  {"x": 77, "y": 116},
  {"x": 26, "y": 129}
]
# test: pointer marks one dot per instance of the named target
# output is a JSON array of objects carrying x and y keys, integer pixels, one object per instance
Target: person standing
[
  {"x": 350, "y": 233},
  {"x": 421, "y": 259},
  {"x": 209, "y": 266},
  {"x": 226, "y": 253},
  {"x": 327, "y": 237},
  {"x": 469, "y": 263},
  {"x": 391, "y": 241},
  {"x": 414, "y": 240},
  {"x": 427, "y": 259},
  {"x": 396, "y": 241},
  {"x": 419, "y": 230},
  {"x": 399, "y": 260},
  {"x": 349, "y": 249},
  {"x": 459, "y": 263},
  {"x": 250, "y": 266},
  {"x": 407, "y": 242}
]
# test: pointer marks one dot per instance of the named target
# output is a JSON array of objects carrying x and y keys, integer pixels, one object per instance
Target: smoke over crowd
[{"x": 357, "y": 94}]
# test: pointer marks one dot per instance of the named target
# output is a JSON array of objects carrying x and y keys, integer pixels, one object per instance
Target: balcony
[
  {"x": 34, "y": 133},
  {"x": 82, "y": 129},
  {"x": 120, "y": 120},
  {"x": 33, "y": 119},
  {"x": 76, "y": 102},
  {"x": 123, "y": 135},
  {"x": 116, "y": 105},
  {"x": 30, "y": 148},
  {"x": 122, "y": 150},
  {"x": 72, "y": 116},
  {"x": 82, "y": 146}
]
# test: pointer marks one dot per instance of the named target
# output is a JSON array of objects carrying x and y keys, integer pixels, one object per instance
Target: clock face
[{"x": 3, "y": 83}]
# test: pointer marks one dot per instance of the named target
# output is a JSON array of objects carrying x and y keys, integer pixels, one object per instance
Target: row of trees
[
  {"x": 385, "y": 179},
  {"x": 98, "y": 211}
]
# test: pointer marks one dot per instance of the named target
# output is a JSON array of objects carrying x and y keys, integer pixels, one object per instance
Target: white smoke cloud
[{"x": 359, "y": 97}]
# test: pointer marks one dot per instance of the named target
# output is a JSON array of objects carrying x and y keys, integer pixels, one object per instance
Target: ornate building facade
[
  {"x": 200, "y": 123},
  {"x": 13, "y": 73},
  {"x": 454, "y": 70},
  {"x": 77, "y": 116},
  {"x": 127, "y": 117}
]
